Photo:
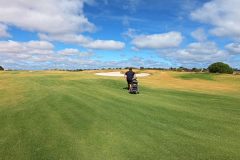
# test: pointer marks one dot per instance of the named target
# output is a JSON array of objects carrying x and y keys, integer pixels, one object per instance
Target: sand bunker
[{"x": 118, "y": 74}]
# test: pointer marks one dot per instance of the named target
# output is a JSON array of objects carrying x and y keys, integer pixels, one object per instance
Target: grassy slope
[
  {"x": 196, "y": 82},
  {"x": 71, "y": 116},
  {"x": 204, "y": 76}
]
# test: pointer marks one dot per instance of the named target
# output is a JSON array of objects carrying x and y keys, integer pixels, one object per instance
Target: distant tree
[
  {"x": 172, "y": 69},
  {"x": 196, "y": 70},
  {"x": 220, "y": 67},
  {"x": 1, "y": 68},
  {"x": 130, "y": 67},
  {"x": 204, "y": 70},
  {"x": 236, "y": 69},
  {"x": 180, "y": 69},
  {"x": 141, "y": 68}
]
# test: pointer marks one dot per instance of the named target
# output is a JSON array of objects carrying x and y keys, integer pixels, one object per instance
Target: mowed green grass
[{"x": 62, "y": 115}]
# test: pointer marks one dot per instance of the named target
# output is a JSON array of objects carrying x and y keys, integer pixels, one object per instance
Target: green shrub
[
  {"x": 1, "y": 68},
  {"x": 220, "y": 67}
]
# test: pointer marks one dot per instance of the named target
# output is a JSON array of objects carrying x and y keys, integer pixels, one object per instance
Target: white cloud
[
  {"x": 3, "y": 31},
  {"x": 46, "y": 16},
  {"x": 43, "y": 45},
  {"x": 41, "y": 55},
  {"x": 31, "y": 47},
  {"x": 53, "y": 20},
  {"x": 199, "y": 34},
  {"x": 224, "y": 15},
  {"x": 158, "y": 41},
  {"x": 105, "y": 45},
  {"x": 197, "y": 54},
  {"x": 36, "y": 48},
  {"x": 73, "y": 51},
  {"x": 85, "y": 41},
  {"x": 233, "y": 48},
  {"x": 66, "y": 38},
  {"x": 135, "y": 61},
  {"x": 202, "y": 48},
  {"x": 69, "y": 51}
]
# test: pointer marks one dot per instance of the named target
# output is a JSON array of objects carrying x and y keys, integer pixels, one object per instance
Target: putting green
[{"x": 68, "y": 115}]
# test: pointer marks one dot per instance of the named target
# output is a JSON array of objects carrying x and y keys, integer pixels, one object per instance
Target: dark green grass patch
[{"x": 97, "y": 119}]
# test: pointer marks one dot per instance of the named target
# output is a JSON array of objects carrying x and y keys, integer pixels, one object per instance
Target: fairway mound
[{"x": 119, "y": 74}]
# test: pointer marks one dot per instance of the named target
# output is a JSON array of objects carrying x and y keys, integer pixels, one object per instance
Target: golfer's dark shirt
[{"x": 130, "y": 75}]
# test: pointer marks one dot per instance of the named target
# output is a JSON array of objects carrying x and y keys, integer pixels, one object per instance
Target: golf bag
[{"x": 134, "y": 87}]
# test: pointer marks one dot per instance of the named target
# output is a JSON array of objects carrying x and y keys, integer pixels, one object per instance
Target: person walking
[{"x": 129, "y": 75}]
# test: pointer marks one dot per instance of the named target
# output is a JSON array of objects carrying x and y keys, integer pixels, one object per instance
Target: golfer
[{"x": 129, "y": 75}]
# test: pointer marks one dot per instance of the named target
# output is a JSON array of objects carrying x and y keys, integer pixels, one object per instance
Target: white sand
[{"x": 118, "y": 74}]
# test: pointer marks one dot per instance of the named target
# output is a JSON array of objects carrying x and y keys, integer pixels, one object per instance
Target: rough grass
[
  {"x": 63, "y": 115},
  {"x": 203, "y": 76},
  {"x": 172, "y": 80}
]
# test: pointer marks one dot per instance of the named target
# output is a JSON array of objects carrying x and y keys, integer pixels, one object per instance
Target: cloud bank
[
  {"x": 47, "y": 16},
  {"x": 41, "y": 54},
  {"x": 65, "y": 21},
  {"x": 158, "y": 41},
  {"x": 223, "y": 15},
  {"x": 3, "y": 31},
  {"x": 54, "y": 20},
  {"x": 84, "y": 41}
]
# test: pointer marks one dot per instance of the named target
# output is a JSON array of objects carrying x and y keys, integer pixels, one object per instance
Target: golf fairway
[{"x": 68, "y": 115}]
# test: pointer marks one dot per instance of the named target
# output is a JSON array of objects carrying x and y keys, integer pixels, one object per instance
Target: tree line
[
  {"x": 218, "y": 67},
  {"x": 1, "y": 68}
]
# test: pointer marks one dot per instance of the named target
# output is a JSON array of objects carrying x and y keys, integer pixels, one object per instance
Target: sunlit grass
[{"x": 77, "y": 115}]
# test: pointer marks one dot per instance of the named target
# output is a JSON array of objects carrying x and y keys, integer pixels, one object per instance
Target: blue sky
[{"x": 71, "y": 34}]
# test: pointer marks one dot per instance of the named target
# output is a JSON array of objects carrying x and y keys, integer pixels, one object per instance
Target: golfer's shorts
[{"x": 129, "y": 81}]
